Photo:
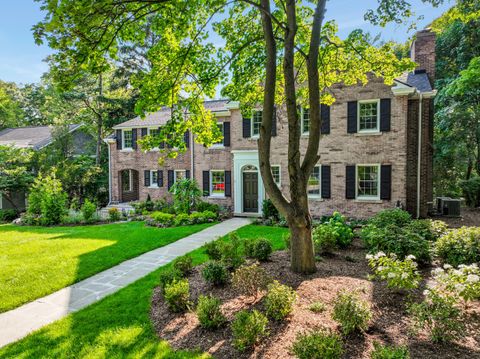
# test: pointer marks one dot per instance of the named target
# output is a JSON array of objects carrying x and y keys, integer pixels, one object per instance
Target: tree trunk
[{"x": 301, "y": 245}]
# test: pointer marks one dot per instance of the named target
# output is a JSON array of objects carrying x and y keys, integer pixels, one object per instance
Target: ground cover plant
[{"x": 37, "y": 261}]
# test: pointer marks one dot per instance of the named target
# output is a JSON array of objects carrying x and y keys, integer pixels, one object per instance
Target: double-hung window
[
  {"x": 127, "y": 139},
  {"x": 154, "y": 132},
  {"x": 217, "y": 183},
  {"x": 179, "y": 175},
  {"x": 126, "y": 180},
  {"x": 313, "y": 186},
  {"x": 368, "y": 182},
  {"x": 153, "y": 178},
  {"x": 219, "y": 143},
  {"x": 256, "y": 123},
  {"x": 276, "y": 174},
  {"x": 305, "y": 121},
  {"x": 368, "y": 116}
]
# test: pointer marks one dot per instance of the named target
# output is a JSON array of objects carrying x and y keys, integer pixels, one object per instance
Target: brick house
[{"x": 376, "y": 150}]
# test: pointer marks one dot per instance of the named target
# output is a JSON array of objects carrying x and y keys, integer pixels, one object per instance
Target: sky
[{"x": 21, "y": 60}]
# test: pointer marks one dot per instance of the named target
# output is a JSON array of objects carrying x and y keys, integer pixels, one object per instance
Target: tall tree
[
  {"x": 278, "y": 52},
  {"x": 11, "y": 114}
]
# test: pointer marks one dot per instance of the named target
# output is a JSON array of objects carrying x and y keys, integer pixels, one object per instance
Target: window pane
[
  {"x": 127, "y": 139},
  {"x": 126, "y": 181},
  {"x": 306, "y": 120},
  {"x": 179, "y": 175},
  {"x": 367, "y": 181},
  {"x": 154, "y": 132},
  {"x": 218, "y": 183},
  {"x": 154, "y": 178},
  {"x": 276, "y": 174},
  {"x": 314, "y": 182},
  {"x": 220, "y": 127},
  {"x": 256, "y": 122},
  {"x": 368, "y": 116}
]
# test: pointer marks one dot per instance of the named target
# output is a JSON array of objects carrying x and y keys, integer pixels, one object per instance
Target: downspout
[
  {"x": 192, "y": 155},
  {"x": 419, "y": 158},
  {"x": 109, "y": 174}
]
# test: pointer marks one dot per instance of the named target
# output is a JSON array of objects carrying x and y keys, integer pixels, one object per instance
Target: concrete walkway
[{"x": 19, "y": 322}]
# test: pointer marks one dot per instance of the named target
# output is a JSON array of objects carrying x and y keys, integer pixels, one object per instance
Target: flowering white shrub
[
  {"x": 463, "y": 282},
  {"x": 398, "y": 274}
]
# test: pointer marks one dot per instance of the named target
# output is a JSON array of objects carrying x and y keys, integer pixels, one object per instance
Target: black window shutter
[
  {"x": 160, "y": 178},
  {"x": 228, "y": 183},
  {"x": 325, "y": 117},
  {"x": 187, "y": 174},
  {"x": 206, "y": 183},
  {"x": 352, "y": 117},
  {"x": 170, "y": 178},
  {"x": 326, "y": 175},
  {"x": 146, "y": 176},
  {"x": 385, "y": 114},
  {"x": 247, "y": 131},
  {"x": 118, "y": 138},
  {"x": 226, "y": 134},
  {"x": 134, "y": 138},
  {"x": 350, "y": 182},
  {"x": 162, "y": 144},
  {"x": 186, "y": 138},
  {"x": 386, "y": 182},
  {"x": 274, "y": 121},
  {"x": 144, "y": 132}
]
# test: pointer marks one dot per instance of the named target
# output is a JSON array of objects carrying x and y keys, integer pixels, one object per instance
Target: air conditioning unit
[
  {"x": 451, "y": 207},
  {"x": 440, "y": 204}
]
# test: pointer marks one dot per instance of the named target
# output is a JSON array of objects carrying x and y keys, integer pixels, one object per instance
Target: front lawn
[
  {"x": 119, "y": 325},
  {"x": 36, "y": 261}
]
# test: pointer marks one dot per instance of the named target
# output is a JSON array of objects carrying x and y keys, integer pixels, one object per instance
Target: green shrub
[
  {"x": 423, "y": 227},
  {"x": 389, "y": 352},
  {"x": 186, "y": 194},
  {"x": 248, "y": 328},
  {"x": 439, "y": 315},
  {"x": 232, "y": 255},
  {"x": 394, "y": 216},
  {"x": 459, "y": 246},
  {"x": 269, "y": 210},
  {"x": 163, "y": 219},
  {"x": 279, "y": 300},
  {"x": 8, "y": 215},
  {"x": 258, "y": 248},
  {"x": 351, "y": 312},
  {"x": 471, "y": 190},
  {"x": 203, "y": 206},
  {"x": 114, "y": 214},
  {"x": 317, "y": 307},
  {"x": 398, "y": 274},
  {"x": 213, "y": 250},
  {"x": 324, "y": 239},
  {"x": 319, "y": 344},
  {"x": 438, "y": 228},
  {"x": 196, "y": 218},
  {"x": 463, "y": 282},
  {"x": 250, "y": 279},
  {"x": 208, "y": 216},
  {"x": 149, "y": 203},
  {"x": 177, "y": 295},
  {"x": 88, "y": 210},
  {"x": 73, "y": 218},
  {"x": 167, "y": 276},
  {"x": 209, "y": 313},
  {"x": 343, "y": 231},
  {"x": 183, "y": 264},
  {"x": 181, "y": 219},
  {"x": 215, "y": 273}
]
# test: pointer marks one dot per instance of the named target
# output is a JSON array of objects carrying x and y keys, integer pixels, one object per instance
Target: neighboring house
[
  {"x": 376, "y": 150},
  {"x": 37, "y": 138}
]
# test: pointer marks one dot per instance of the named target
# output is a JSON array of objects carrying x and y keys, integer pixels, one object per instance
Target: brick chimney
[{"x": 422, "y": 52}]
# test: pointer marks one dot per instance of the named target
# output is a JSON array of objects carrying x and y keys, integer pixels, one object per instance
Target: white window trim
[
  {"x": 153, "y": 185},
  {"x": 304, "y": 133},
  {"x": 123, "y": 139},
  {"x": 367, "y": 198},
  {"x": 377, "y": 130},
  {"x": 154, "y": 149},
  {"x": 220, "y": 145},
  {"x": 319, "y": 195},
  {"x": 175, "y": 175},
  {"x": 251, "y": 125},
  {"x": 279, "y": 184},
  {"x": 215, "y": 195}
]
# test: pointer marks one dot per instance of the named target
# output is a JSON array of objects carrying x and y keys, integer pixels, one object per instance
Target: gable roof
[
  {"x": 418, "y": 79},
  {"x": 35, "y": 137},
  {"x": 163, "y": 115}
]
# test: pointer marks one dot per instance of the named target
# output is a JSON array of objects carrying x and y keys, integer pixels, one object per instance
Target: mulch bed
[
  {"x": 347, "y": 270},
  {"x": 469, "y": 217}
]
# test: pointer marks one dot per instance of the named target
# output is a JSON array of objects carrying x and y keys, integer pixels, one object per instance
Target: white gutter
[{"x": 419, "y": 159}]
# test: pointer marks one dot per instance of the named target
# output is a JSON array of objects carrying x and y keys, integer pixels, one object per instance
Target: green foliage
[
  {"x": 232, "y": 255},
  {"x": 439, "y": 315},
  {"x": 114, "y": 214},
  {"x": 15, "y": 168},
  {"x": 463, "y": 282},
  {"x": 318, "y": 344},
  {"x": 177, "y": 295},
  {"x": 438, "y": 228},
  {"x": 317, "y": 307},
  {"x": 269, "y": 210},
  {"x": 88, "y": 210},
  {"x": 471, "y": 190},
  {"x": 351, "y": 312},
  {"x": 215, "y": 273},
  {"x": 332, "y": 234},
  {"x": 258, "y": 248},
  {"x": 389, "y": 352},
  {"x": 213, "y": 250},
  {"x": 459, "y": 246},
  {"x": 181, "y": 219},
  {"x": 279, "y": 300},
  {"x": 186, "y": 194},
  {"x": 183, "y": 264},
  {"x": 387, "y": 217},
  {"x": 250, "y": 279},
  {"x": 203, "y": 206},
  {"x": 248, "y": 328},
  {"x": 47, "y": 203},
  {"x": 209, "y": 312},
  {"x": 168, "y": 276},
  {"x": 8, "y": 215},
  {"x": 163, "y": 219},
  {"x": 398, "y": 274}
]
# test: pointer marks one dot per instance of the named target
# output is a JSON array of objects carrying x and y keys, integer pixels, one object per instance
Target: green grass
[
  {"x": 119, "y": 325},
  {"x": 36, "y": 261}
]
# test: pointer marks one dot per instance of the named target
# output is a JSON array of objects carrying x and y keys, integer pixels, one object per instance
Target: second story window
[
  {"x": 276, "y": 174},
  {"x": 305, "y": 121},
  {"x": 127, "y": 139},
  {"x": 313, "y": 186},
  {"x": 219, "y": 143},
  {"x": 368, "y": 116},
  {"x": 256, "y": 123}
]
